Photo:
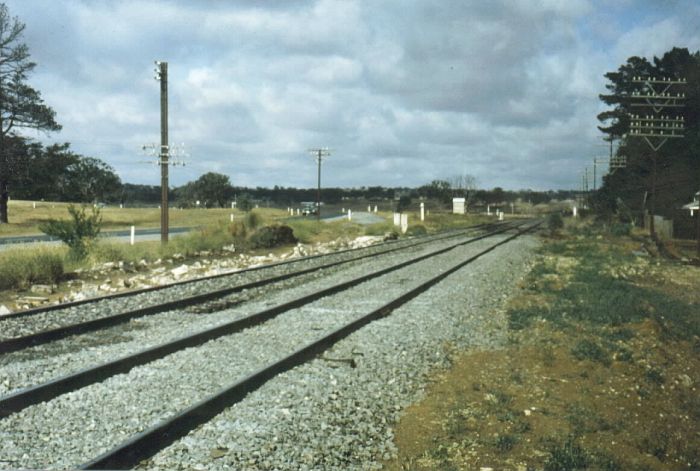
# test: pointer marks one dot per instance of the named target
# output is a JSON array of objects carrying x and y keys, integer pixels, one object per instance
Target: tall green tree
[
  {"x": 21, "y": 106},
  {"x": 678, "y": 161}
]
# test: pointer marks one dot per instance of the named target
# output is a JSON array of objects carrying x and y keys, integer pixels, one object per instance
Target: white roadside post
[
  {"x": 375, "y": 209},
  {"x": 404, "y": 223},
  {"x": 397, "y": 219},
  {"x": 488, "y": 210},
  {"x": 575, "y": 211},
  {"x": 422, "y": 212},
  {"x": 133, "y": 234},
  {"x": 349, "y": 214}
]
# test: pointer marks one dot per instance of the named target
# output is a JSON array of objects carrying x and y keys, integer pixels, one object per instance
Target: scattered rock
[
  {"x": 4, "y": 310},
  {"x": 42, "y": 289},
  {"x": 180, "y": 271}
]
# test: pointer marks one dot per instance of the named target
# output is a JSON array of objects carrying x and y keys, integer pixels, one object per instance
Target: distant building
[{"x": 459, "y": 205}]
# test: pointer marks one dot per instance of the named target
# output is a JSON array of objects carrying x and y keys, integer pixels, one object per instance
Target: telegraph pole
[
  {"x": 655, "y": 128},
  {"x": 162, "y": 75},
  {"x": 319, "y": 154}
]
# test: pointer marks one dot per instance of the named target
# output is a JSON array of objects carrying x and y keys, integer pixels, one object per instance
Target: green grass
[
  {"x": 596, "y": 298},
  {"x": 19, "y": 267}
]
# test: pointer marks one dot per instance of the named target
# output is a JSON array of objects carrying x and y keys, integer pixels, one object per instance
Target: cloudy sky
[{"x": 402, "y": 91}]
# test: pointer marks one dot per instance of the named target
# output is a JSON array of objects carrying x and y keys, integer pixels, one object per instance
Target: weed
[
  {"x": 20, "y": 268},
  {"x": 655, "y": 376},
  {"x": 417, "y": 230},
  {"x": 620, "y": 334},
  {"x": 519, "y": 319},
  {"x": 620, "y": 229},
  {"x": 252, "y": 220},
  {"x": 77, "y": 233},
  {"x": 568, "y": 456},
  {"x": 554, "y": 223},
  {"x": 589, "y": 350},
  {"x": 505, "y": 443},
  {"x": 272, "y": 236}
]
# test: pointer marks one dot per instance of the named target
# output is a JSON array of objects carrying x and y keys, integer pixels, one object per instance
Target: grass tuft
[{"x": 20, "y": 268}]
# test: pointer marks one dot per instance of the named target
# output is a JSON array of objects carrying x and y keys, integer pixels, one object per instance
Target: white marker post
[
  {"x": 349, "y": 214},
  {"x": 404, "y": 223},
  {"x": 422, "y": 212},
  {"x": 133, "y": 235}
]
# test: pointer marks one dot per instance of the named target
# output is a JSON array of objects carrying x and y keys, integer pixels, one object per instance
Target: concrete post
[
  {"x": 375, "y": 209},
  {"x": 349, "y": 214},
  {"x": 575, "y": 211},
  {"x": 133, "y": 235},
  {"x": 397, "y": 219},
  {"x": 369, "y": 209},
  {"x": 422, "y": 212},
  {"x": 404, "y": 223},
  {"x": 500, "y": 216},
  {"x": 231, "y": 217}
]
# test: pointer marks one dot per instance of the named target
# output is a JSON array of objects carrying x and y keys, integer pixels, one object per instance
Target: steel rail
[
  {"x": 26, "y": 397},
  {"x": 54, "y": 307},
  {"x": 147, "y": 443},
  {"x": 42, "y": 337}
]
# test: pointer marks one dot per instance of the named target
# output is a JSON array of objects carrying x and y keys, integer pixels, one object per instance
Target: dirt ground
[{"x": 558, "y": 396}]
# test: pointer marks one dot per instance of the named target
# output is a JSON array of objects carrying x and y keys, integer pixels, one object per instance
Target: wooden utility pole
[
  {"x": 319, "y": 154},
  {"x": 655, "y": 96},
  {"x": 162, "y": 75}
]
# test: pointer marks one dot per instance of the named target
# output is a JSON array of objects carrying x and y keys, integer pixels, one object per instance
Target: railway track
[
  {"x": 145, "y": 369},
  {"x": 37, "y": 326}
]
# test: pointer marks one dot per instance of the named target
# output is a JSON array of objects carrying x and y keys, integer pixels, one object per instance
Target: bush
[
  {"x": 252, "y": 220},
  {"x": 21, "y": 268},
  {"x": 417, "y": 230},
  {"x": 620, "y": 229},
  {"x": 77, "y": 233},
  {"x": 590, "y": 350},
  {"x": 272, "y": 236},
  {"x": 555, "y": 222}
]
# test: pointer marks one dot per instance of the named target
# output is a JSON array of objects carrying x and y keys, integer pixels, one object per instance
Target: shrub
[
  {"x": 589, "y": 350},
  {"x": 77, "y": 233},
  {"x": 272, "y": 236},
  {"x": 620, "y": 229},
  {"x": 566, "y": 457},
  {"x": 417, "y": 230},
  {"x": 554, "y": 222},
  {"x": 20, "y": 268},
  {"x": 252, "y": 220}
]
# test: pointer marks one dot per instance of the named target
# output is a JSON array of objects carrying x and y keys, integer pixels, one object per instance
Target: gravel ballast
[
  {"x": 36, "y": 365},
  {"x": 391, "y": 365}
]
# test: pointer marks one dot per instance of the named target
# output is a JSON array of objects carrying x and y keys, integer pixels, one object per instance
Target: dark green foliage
[
  {"x": 21, "y": 106},
  {"x": 252, "y": 220},
  {"x": 417, "y": 230},
  {"x": 589, "y": 350},
  {"x": 77, "y": 233},
  {"x": 554, "y": 222},
  {"x": 244, "y": 203},
  {"x": 272, "y": 236},
  {"x": 568, "y": 456},
  {"x": 403, "y": 203},
  {"x": 519, "y": 319},
  {"x": 505, "y": 443},
  {"x": 620, "y": 229},
  {"x": 655, "y": 376},
  {"x": 622, "y": 195}
]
